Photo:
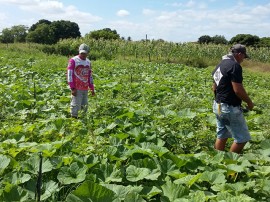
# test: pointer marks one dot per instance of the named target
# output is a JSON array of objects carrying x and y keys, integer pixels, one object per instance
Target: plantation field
[{"x": 148, "y": 134}]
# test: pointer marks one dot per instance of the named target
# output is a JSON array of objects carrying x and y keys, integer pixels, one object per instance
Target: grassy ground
[{"x": 257, "y": 66}]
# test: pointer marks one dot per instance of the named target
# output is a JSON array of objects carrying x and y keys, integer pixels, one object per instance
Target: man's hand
[
  {"x": 250, "y": 105},
  {"x": 93, "y": 93},
  {"x": 74, "y": 92}
]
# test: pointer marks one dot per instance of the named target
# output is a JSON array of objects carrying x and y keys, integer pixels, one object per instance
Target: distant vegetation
[
  {"x": 47, "y": 32},
  {"x": 190, "y": 54},
  {"x": 63, "y": 38}
]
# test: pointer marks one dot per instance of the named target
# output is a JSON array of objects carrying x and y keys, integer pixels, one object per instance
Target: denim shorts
[{"x": 231, "y": 123}]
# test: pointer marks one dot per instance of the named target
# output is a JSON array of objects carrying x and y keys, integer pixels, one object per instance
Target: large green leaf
[
  {"x": 138, "y": 133},
  {"x": 150, "y": 192},
  {"x": 265, "y": 144},
  {"x": 91, "y": 192},
  {"x": 179, "y": 162},
  {"x": 17, "y": 178},
  {"x": 235, "y": 168},
  {"x": 146, "y": 162},
  {"x": 236, "y": 188},
  {"x": 160, "y": 151},
  {"x": 50, "y": 188},
  {"x": 134, "y": 197},
  {"x": 111, "y": 126},
  {"x": 138, "y": 150},
  {"x": 263, "y": 170},
  {"x": 167, "y": 166},
  {"x": 122, "y": 191},
  {"x": 266, "y": 187},
  {"x": 153, "y": 175},
  {"x": 14, "y": 193},
  {"x": 198, "y": 196},
  {"x": 135, "y": 174},
  {"x": 218, "y": 158},
  {"x": 213, "y": 177},
  {"x": 188, "y": 180},
  {"x": 226, "y": 197},
  {"x": 174, "y": 191},
  {"x": 32, "y": 164},
  {"x": 90, "y": 160},
  {"x": 73, "y": 174},
  {"x": 108, "y": 173},
  {"x": 4, "y": 163},
  {"x": 27, "y": 144},
  {"x": 166, "y": 112},
  {"x": 265, "y": 153},
  {"x": 231, "y": 157}
]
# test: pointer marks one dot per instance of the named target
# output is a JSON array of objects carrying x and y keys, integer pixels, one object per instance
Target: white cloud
[
  {"x": 3, "y": 20},
  {"x": 127, "y": 29},
  {"x": 167, "y": 17},
  {"x": 190, "y": 3},
  {"x": 122, "y": 13},
  {"x": 19, "y": 2},
  {"x": 261, "y": 10},
  {"x": 52, "y": 10},
  {"x": 189, "y": 23},
  {"x": 48, "y": 7},
  {"x": 176, "y": 4},
  {"x": 148, "y": 12},
  {"x": 3, "y": 17}
]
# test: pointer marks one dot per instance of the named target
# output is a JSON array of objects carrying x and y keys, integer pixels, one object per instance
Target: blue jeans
[{"x": 231, "y": 123}]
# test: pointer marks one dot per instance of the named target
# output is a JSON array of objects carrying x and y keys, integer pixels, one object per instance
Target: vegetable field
[{"x": 148, "y": 135}]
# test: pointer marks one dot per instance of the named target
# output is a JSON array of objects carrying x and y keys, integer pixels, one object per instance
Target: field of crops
[{"x": 148, "y": 134}]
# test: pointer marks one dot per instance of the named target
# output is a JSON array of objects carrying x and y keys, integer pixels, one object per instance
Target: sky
[{"x": 170, "y": 20}]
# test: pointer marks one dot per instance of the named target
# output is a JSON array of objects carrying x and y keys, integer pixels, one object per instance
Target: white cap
[{"x": 83, "y": 48}]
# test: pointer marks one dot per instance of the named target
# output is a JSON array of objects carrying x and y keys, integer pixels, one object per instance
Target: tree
[
  {"x": 205, "y": 39},
  {"x": 7, "y": 36},
  {"x": 19, "y": 32},
  {"x": 264, "y": 42},
  {"x": 106, "y": 34},
  {"x": 56, "y": 30},
  {"x": 65, "y": 29},
  {"x": 43, "y": 21},
  {"x": 16, "y": 33},
  {"x": 42, "y": 34},
  {"x": 245, "y": 39},
  {"x": 218, "y": 39}
]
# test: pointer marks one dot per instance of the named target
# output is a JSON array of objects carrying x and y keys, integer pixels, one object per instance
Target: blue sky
[{"x": 171, "y": 20}]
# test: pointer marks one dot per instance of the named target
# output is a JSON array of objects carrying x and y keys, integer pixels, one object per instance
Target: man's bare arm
[
  {"x": 214, "y": 87},
  {"x": 242, "y": 94}
]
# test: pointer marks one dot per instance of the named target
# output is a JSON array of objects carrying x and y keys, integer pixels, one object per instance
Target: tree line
[
  {"x": 47, "y": 32},
  {"x": 246, "y": 39}
]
